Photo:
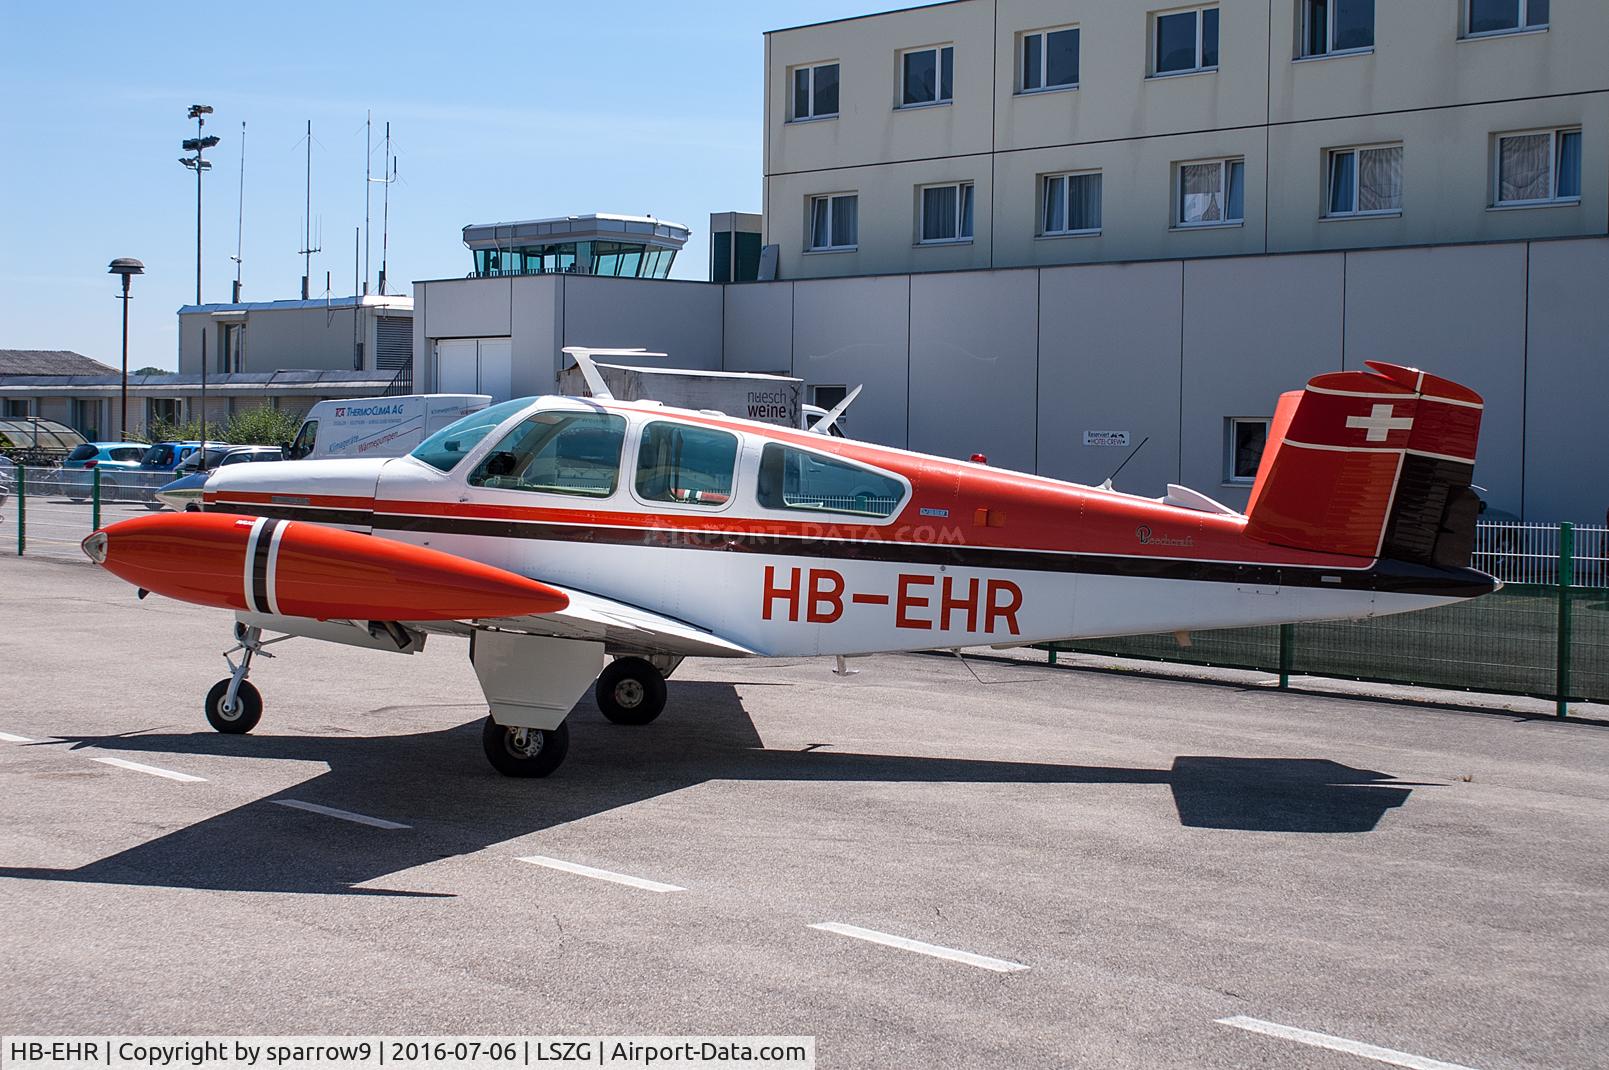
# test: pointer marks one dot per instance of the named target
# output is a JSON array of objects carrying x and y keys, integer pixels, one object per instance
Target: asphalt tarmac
[{"x": 1160, "y": 855}]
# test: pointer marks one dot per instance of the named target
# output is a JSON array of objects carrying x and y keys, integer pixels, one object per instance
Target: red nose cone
[{"x": 297, "y": 569}]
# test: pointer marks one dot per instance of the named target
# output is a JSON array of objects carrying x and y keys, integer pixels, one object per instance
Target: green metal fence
[{"x": 1545, "y": 640}]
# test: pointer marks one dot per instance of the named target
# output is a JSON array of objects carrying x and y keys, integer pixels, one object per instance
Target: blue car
[
  {"x": 73, "y": 477},
  {"x": 166, "y": 456}
]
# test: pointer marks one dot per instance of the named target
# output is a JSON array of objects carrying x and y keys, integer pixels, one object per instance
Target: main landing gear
[
  {"x": 631, "y": 691},
  {"x": 234, "y": 706}
]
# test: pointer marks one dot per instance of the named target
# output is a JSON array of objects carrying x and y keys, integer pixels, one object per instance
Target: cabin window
[
  {"x": 686, "y": 465},
  {"x": 557, "y": 453},
  {"x": 795, "y": 479},
  {"x": 451, "y": 444}
]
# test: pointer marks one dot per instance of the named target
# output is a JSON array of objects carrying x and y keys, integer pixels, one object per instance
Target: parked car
[
  {"x": 166, "y": 456},
  {"x": 73, "y": 477},
  {"x": 220, "y": 454},
  {"x": 8, "y": 479},
  {"x": 183, "y": 495}
]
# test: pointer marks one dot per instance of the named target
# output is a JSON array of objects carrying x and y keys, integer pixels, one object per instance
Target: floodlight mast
[{"x": 196, "y": 163}]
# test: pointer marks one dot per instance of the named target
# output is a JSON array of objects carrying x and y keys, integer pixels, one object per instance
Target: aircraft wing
[{"x": 621, "y": 625}]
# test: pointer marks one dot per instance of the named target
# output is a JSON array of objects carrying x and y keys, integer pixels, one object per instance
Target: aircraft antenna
[{"x": 1108, "y": 483}]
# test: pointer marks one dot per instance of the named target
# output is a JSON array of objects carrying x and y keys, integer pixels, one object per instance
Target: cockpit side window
[
  {"x": 686, "y": 465},
  {"x": 557, "y": 453},
  {"x": 812, "y": 482}
]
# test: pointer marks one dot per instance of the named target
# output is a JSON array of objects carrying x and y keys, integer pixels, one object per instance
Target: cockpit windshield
[{"x": 447, "y": 447}]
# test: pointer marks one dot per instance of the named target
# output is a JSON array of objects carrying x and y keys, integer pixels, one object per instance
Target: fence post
[
  {"x": 22, "y": 510},
  {"x": 1287, "y": 642},
  {"x": 1566, "y": 580},
  {"x": 95, "y": 497}
]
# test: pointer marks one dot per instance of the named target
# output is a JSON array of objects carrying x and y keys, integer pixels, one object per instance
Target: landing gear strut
[
  {"x": 234, "y": 706},
  {"x": 631, "y": 691}
]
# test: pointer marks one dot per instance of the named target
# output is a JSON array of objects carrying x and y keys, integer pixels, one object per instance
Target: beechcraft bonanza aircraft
[{"x": 580, "y": 539}]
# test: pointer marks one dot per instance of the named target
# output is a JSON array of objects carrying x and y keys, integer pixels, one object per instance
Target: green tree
[
  {"x": 262, "y": 426},
  {"x": 151, "y": 369}
]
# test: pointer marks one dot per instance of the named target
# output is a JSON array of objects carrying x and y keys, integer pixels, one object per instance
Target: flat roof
[
  {"x": 868, "y": 15},
  {"x": 391, "y": 302},
  {"x": 288, "y": 383},
  {"x": 646, "y": 229}
]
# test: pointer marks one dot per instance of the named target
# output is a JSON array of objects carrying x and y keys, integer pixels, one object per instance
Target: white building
[
  {"x": 1023, "y": 224},
  {"x": 1015, "y": 133}
]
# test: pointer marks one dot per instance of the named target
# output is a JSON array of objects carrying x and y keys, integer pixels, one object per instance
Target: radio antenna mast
[
  {"x": 385, "y": 210},
  {"x": 240, "y": 211},
  {"x": 368, "y": 170},
  {"x": 308, "y": 246}
]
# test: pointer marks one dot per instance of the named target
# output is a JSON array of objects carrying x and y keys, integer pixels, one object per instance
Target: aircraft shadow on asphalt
[{"x": 438, "y": 782}]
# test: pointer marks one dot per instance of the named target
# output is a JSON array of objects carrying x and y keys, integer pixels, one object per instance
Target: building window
[
  {"x": 1070, "y": 204},
  {"x": 926, "y": 76},
  {"x": 1211, "y": 193},
  {"x": 1244, "y": 439},
  {"x": 834, "y": 222},
  {"x": 1505, "y": 16},
  {"x": 1049, "y": 60},
  {"x": 1330, "y": 27},
  {"x": 945, "y": 213},
  {"x": 815, "y": 92},
  {"x": 1539, "y": 167},
  {"x": 1365, "y": 181},
  {"x": 1186, "y": 41}
]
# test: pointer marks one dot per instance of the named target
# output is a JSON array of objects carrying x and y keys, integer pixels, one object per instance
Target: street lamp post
[
  {"x": 198, "y": 145},
  {"x": 125, "y": 266}
]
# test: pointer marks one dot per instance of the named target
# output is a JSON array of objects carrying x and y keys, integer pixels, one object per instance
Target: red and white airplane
[{"x": 580, "y": 539}]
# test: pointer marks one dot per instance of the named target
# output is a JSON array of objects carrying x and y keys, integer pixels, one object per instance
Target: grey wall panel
[
  {"x": 1253, "y": 329},
  {"x": 469, "y": 308},
  {"x": 1109, "y": 361},
  {"x": 535, "y": 317},
  {"x": 758, "y": 334},
  {"x": 974, "y": 342},
  {"x": 680, "y": 319},
  {"x": 1567, "y": 385},
  {"x": 1458, "y": 312},
  {"x": 852, "y": 332}
]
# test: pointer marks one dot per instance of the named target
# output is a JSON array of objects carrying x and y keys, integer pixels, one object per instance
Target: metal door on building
[{"x": 475, "y": 366}]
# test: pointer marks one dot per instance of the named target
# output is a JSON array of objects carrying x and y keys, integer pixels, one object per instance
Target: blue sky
[{"x": 498, "y": 112}]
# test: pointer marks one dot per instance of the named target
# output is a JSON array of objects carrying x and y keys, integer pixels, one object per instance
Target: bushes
[{"x": 263, "y": 426}]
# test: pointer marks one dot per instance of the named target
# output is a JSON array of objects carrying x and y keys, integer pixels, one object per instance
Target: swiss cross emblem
[{"x": 1379, "y": 423}]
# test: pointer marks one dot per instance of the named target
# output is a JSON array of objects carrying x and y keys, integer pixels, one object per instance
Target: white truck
[{"x": 378, "y": 427}]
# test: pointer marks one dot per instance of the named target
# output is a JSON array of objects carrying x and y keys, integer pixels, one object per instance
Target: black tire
[
  {"x": 248, "y": 708},
  {"x": 630, "y": 691},
  {"x": 544, "y": 753}
]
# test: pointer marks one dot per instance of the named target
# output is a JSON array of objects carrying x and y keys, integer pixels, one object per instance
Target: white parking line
[
  {"x": 600, "y": 874},
  {"x": 906, "y": 944},
  {"x": 344, "y": 815},
  {"x": 9, "y": 738},
  {"x": 152, "y": 770},
  {"x": 1350, "y": 1047}
]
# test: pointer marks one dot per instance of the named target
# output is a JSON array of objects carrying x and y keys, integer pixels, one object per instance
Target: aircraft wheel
[
  {"x": 630, "y": 691},
  {"x": 244, "y": 717},
  {"x": 524, "y": 751}
]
